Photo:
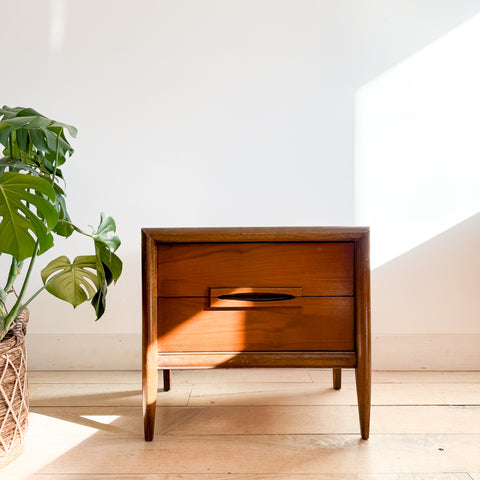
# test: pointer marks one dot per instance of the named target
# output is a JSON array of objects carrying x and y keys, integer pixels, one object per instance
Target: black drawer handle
[{"x": 257, "y": 297}]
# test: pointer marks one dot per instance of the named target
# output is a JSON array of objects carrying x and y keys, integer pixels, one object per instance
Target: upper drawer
[{"x": 190, "y": 269}]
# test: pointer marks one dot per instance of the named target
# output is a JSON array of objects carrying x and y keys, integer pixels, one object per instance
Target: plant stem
[
  {"x": 75, "y": 228},
  {"x": 40, "y": 290},
  {"x": 11, "y": 144},
  {"x": 56, "y": 160},
  {"x": 3, "y": 313},
  {"x": 18, "y": 304},
  {"x": 12, "y": 275}
]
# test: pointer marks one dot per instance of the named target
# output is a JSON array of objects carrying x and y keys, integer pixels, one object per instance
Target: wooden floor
[{"x": 252, "y": 424}]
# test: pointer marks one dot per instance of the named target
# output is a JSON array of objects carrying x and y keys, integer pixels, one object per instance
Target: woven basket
[{"x": 13, "y": 391}]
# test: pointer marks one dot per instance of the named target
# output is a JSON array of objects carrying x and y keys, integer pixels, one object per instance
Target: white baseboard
[
  {"x": 84, "y": 352},
  {"x": 122, "y": 352},
  {"x": 426, "y": 352}
]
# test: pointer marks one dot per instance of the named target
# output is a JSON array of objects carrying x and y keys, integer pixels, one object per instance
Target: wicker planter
[{"x": 13, "y": 392}]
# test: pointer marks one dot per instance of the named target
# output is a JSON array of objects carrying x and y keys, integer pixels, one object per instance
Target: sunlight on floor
[
  {"x": 72, "y": 435},
  {"x": 50, "y": 427},
  {"x": 417, "y": 149},
  {"x": 102, "y": 419},
  {"x": 255, "y": 424}
]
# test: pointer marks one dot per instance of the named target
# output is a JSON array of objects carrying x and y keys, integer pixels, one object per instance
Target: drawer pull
[{"x": 257, "y": 297}]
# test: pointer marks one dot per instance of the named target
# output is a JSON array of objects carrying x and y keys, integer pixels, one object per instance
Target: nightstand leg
[
  {"x": 167, "y": 380},
  {"x": 337, "y": 378},
  {"x": 150, "y": 386},
  {"x": 363, "y": 380},
  {"x": 149, "y": 335}
]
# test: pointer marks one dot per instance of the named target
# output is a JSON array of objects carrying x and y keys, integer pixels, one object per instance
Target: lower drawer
[{"x": 322, "y": 323}]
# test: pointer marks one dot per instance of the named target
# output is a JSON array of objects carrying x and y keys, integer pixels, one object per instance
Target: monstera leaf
[
  {"x": 108, "y": 262},
  {"x": 105, "y": 232},
  {"x": 35, "y": 137},
  {"x": 64, "y": 226},
  {"x": 109, "y": 266},
  {"x": 74, "y": 282},
  {"x": 27, "y": 214}
]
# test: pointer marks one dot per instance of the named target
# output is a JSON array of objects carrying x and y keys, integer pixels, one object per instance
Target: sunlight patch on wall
[
  {"x": 417, "y": 145},
  {"x": 58, "y": 17}
]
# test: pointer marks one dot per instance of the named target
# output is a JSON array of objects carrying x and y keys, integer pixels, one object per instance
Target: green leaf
[
  {"x": 99, "y": 300},
  {"x": 4, "y": 133},
  {"x": 18, "y": 122},
  {"x": 39, "y": 122},
  {"x": 108, "y": 261},
  {"x": 63, "y": 146},
  {"x": 10, "y": 112},
  {"x": 109, "y": 266},
  {"x": 16, "y": 165},
  {"x": 106, "y": 232},
  {"x": 71, "y": 129},
  {"x": 73, "y": 282},
  {"x": 23, "y": 140},
  {"x": 63, "y": 226},
  {"x": 26, "y": 216},
  {"x": 42, "y": 130},
  {"x": 38, "y": 139}
]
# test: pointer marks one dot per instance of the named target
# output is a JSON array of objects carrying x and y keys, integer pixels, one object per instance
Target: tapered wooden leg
[
  {"x": 150, "y": 386},
  {"x": 337, "y": 378},
  {"x": 363, "y": 380},
  {"x": 363, "y": 371},
  {"x": 149, "y": 335},
  {"x": 167, "y": 380}
]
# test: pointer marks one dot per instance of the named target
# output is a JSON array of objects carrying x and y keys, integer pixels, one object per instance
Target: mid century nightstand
[{"x": 256, "y": 297}]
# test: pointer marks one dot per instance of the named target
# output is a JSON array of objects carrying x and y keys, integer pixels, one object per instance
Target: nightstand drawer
[
  {"x": 321, "y": 323},
  {"x": 321, "y": 269}
]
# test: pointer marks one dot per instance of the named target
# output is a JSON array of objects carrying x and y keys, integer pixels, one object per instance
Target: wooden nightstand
[{"x": 256, "y": 297}]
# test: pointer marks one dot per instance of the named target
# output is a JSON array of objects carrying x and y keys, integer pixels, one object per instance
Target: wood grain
[
  {"x": 321, "y": 269},
  {"x": 363, "y": 372},
  {"x": 260, "y": 454},
  {"x": 149, "y": 334},
  {"x": 256, "y": 234},
  {"x": 217, "y": 302},
  {"x": 253, "y": 442},
  {"x": 257, "y": 359},
  {"x": 253, "y": 476},
  {"x": 167, "y": 380},
  {"x": 251, "y": 419},
  {"x": 322, "y": 323},
  {"x": 337, "y": 378},
  {"x": 330, "y": 329}
]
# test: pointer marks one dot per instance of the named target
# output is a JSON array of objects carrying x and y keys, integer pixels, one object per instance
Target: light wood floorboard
[
  {"x": 275, "y": 424},
  {"x": 249, "y": 476},
  {"x": 322, "y": 394},
  {"x": 255, "y": 454},
  {"x": 236, "y": 375},
  {"x": 324, "y": 376},
  {"x": 285, "y": 393},
  {"x": 96, "y": 394},
  {"x": 254, "y": 420}
]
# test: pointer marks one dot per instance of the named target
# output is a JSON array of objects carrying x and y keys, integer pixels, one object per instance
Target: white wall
[
  {"x": 201, "y": 113},
  {"x": 417, "y": 170}
]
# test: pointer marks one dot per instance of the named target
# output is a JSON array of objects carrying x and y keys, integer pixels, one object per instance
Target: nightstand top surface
[{"x": 256, "y": 234}]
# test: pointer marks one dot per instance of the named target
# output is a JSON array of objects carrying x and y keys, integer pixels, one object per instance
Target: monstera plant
[{"x": 33, "y": 211}]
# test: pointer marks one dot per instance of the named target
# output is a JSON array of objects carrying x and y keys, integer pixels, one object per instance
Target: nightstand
[{"x": 256, "y": 297}]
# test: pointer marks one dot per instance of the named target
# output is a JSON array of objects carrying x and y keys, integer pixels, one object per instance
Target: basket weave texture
[{"x": 13, "y": 391}]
